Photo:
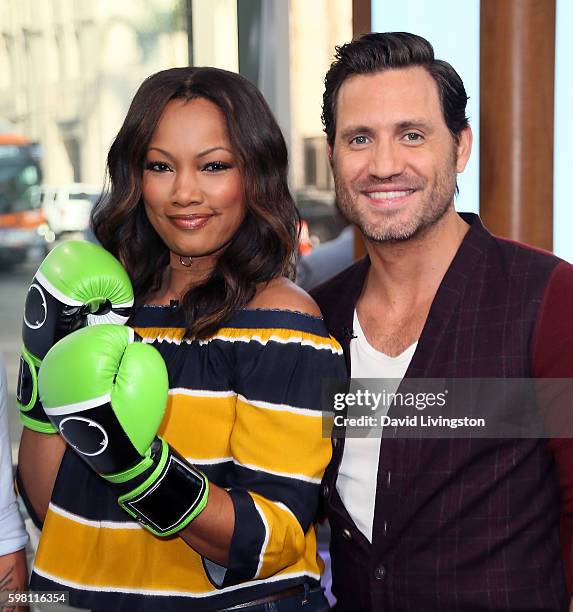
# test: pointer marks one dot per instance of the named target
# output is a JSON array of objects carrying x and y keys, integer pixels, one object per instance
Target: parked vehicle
[
  {"x": 67, "y": 207},
  {"x": 318, "y": 210},
  {"x": 326, "y": 260},
  {"x": 23, "y": 227}
]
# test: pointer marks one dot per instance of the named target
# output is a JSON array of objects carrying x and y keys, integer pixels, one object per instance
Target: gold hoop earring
[{"x": 185, "y": 261}]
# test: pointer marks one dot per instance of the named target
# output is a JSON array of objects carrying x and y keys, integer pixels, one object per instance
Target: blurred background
[{"x": 69, "y": 68}]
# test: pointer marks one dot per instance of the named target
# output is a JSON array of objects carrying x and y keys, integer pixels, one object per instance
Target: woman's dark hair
[
  {"x": 264, "y": 246},
  {"x": 377, "y": 52}
]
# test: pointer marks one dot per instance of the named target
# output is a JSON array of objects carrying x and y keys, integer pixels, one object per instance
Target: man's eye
[
  {"x": 359, "y": 140},
  {"x": 157, "y": 167},
  {"x": 216, "y": 166},
  {"x": 413, "y": 137}
]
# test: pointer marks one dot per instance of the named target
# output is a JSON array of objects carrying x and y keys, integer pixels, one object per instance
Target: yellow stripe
[
  {"x": 274, "y": 440},
  {"x": 265, "y": 334},
  {"x": 161, "y": 333},
  {"x": 286, "y": 545},
  {"x": 118, "y": 557},
  {"x": 231, "y": 334},
  {"x": 133, "y": 559},
  {"x": 199, "y": 427}
]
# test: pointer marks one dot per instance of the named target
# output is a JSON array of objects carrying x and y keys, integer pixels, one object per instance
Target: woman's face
[{"x": 192, "y": 186}]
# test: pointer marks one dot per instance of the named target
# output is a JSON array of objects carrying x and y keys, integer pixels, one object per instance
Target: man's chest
[{"x": 392, "y": 335}]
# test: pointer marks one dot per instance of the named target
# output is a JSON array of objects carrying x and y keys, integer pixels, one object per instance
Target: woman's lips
[{"x": 190, "y": 222}]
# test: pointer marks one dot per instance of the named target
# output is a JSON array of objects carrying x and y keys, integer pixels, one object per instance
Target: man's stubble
[{"x": 434, "y": 206}]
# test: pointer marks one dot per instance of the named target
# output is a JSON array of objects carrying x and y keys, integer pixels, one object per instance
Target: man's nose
[
  {"x": 386, "y": 160},
  {"x": 187, "y": 189}
]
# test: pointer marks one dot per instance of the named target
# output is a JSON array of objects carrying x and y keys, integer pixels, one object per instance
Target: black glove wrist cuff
[{"x": 173, "y": 495}]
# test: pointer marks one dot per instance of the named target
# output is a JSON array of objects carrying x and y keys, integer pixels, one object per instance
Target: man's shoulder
[
  {"x": 519, "y": 251},
  {"x": 523, "y": 263},
  {"x": 342, "y": 284}
]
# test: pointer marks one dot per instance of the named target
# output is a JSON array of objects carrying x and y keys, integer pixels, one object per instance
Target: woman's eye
[
  {"x": 157, "y": 167},
  {"x": 215, "y": 166}
]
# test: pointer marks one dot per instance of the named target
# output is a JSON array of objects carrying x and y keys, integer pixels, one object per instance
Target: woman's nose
[{"x": 187, "y": 190}]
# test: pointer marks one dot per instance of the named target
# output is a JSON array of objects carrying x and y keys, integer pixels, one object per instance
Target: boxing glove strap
[
  {"x": 170, "y": 498},
  {"x": 32, "y": 412}
]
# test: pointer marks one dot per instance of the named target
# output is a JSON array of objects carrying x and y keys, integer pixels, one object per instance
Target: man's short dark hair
[{"x": 377, "y": 52}]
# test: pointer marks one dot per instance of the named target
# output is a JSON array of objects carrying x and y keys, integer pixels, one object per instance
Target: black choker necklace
[{"x": 187, "y": 261}]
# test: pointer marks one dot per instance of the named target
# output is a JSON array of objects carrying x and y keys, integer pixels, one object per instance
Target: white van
[{"x": 67, "y": 208}]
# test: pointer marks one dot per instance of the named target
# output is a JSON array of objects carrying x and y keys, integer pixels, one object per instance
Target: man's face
[{"x": 394, "y": 159}]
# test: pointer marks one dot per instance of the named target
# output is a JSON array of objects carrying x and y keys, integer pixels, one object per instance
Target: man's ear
[
  {"x": 329, "y": 153},
  {"x": 463, "y": 148}
]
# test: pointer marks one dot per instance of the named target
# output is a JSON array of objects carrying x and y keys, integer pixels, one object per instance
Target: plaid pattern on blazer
[{"x": 465, "y": 524}]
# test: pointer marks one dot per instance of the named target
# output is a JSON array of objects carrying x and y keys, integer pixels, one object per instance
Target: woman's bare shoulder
[{"x": 283, "y": 294}]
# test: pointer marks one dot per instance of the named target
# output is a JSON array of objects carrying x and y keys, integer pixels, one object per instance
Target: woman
[{"x": 202, "y": 219}]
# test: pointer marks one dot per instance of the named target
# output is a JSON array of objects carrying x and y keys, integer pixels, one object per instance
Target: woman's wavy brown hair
[{"x": 265, "y": 244}]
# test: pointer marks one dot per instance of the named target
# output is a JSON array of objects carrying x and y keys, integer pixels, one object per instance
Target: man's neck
[
  {"x": 402, "y": 282},
  {"x": 405, "y": 274}
]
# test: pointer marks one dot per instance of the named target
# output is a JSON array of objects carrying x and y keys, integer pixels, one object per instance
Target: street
[{"x": 13, "y": 287}]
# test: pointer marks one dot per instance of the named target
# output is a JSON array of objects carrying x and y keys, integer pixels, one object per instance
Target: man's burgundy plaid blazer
[{"x": 466, "y": 524}]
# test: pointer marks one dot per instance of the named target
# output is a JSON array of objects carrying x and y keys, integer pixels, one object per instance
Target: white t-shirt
[
  {"x": 357, "y": 475},
  {"x": 13, "y": 535}
]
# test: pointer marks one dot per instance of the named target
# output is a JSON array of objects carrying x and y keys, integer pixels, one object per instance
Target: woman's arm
[
  {"x": 211, "y": 532},
  {"x": 39, "y": 459}
]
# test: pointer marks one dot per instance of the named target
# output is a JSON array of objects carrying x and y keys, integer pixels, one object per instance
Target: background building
[{"x": 68, "y": 69}]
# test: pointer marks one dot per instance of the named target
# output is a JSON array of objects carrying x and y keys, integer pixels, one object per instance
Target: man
[{"x": 437, "y": 524}]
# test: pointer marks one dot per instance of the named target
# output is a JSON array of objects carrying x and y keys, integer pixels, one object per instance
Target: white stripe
[
  {"x": 273, "y": 338},
  {"x": 280, "y": 407},
  {"x": 265, "y": 542},
  {"x": 168, "y": 593},
  {"x": 201, "y": 392},
  {"x": 79, "y": 406},
  {"x": 62, "y": 297},
  {"x": 213, "y": 461},
  {"x": 285, "y": 508},
  {"x": 247, "y": 339},
  {"x": 97, "y": 524},
  {"x": 256, "y": 468},
  {"x": 66, "y": 299},
  {"x": 176, "y": 341}
]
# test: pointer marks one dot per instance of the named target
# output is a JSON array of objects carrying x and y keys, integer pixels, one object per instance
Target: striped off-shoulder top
[{"x": 244, "y": 406}]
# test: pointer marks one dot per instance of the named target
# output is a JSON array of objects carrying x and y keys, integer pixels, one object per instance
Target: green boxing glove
[
  {"x": 106, "y": 393},
  {"x": 78, "y": 284}
]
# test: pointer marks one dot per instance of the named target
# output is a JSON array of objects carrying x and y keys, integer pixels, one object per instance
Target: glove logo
[
  {"x": 84, "y": 435},
  {"x": 36, "y": 311}
]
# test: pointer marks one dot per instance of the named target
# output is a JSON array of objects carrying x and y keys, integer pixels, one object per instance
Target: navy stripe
[
  {"x": 165, "y": 316},
  {"x": 195, "y": 366},
  {"x": 285, "y": 373},
  {"x": 246, "y": 544},
  {"x": 282, "y": 319},
  {"x": 149, "y": 603},
  {"x": 299, "y": 496},
  {"x": 157, "y": 316},
  {"x": 250, "y": 368},
  {"x": 89, "y": 486},
  {"x": 76, "y": 488}
]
